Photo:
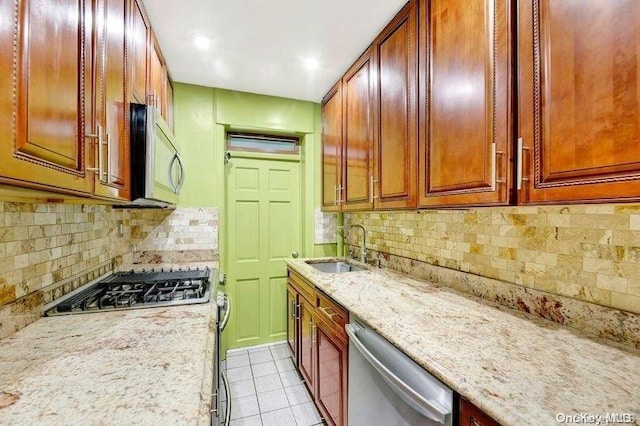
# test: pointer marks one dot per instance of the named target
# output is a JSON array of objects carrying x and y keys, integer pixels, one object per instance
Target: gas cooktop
[{"x": 132, "y": 290}]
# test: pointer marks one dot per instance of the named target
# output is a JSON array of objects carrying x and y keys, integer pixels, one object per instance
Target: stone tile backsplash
[
  {"x": 588, "y": 253},
  {"x": 325, "y": 227},
  {"x": 48, "y": 250}
]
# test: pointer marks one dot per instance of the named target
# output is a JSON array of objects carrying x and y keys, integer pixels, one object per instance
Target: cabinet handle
[
  {"x": 314, "y": 332},
  {"x": 293, "y": 309},
  {"x": 298, "y": 311},
  {"x": 340, "y": 194},
  {"x": 325, "y": 310},
  {"x": 98, "y": 153},
  {"x": 520, "y": 160},
  {"x": 107, "y": 173},
  {"x": 335, "y": 190},
  {"x": 372, "y": 183},
  {"x": 494, "y": 167}
]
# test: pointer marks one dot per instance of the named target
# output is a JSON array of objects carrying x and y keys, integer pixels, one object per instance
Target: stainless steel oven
[{"x": 220, "y": 399}]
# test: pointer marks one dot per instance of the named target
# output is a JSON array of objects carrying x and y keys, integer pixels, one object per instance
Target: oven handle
[
  {"x": 225, "y": 383},
  {"x": 227, "y": 312},
  {"x": 428, "y": 408}
]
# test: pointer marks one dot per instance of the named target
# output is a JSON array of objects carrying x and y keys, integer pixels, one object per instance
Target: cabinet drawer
[
  {"x": 306, "y": 289},
  {"x": 332, "y": 314}
]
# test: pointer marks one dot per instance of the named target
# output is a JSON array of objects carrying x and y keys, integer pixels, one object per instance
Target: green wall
[{"x": 203, "y": 115}]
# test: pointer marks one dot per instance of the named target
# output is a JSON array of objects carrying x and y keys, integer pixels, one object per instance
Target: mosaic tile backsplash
[
  {"x": 48, "y": 250},
  {"x": 587, "y": 253}
]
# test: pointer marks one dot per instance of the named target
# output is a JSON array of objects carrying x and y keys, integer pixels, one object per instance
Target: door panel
[
  {"x": 111, "y": 108},
  {"x": 139, "y": 39},
  {"x": 357, "y": 148},
  {"x": 396, "y": 50},
  {"x": 307, "y": 330},
  {"x": 331, "y": 361},
  {"x": 465, "y": 102},
  {"x": 247, "y": 231},
  {"x": 331, "y": 147},
  {"x": 263, "y": 202},
  {"x": 292, "y": 329},
  {"x": 42, "y": 127},
  {"x": 247, "y": 303},
  {"x": 277, "y": 315},
  {"x": 580, "y": 100}
]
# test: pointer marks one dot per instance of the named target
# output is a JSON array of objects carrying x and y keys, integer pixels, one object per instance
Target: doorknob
[{"x": 294, "y": 254}]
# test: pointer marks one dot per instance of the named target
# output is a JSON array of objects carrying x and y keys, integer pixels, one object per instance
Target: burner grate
[{"x": 128, "y": 290}]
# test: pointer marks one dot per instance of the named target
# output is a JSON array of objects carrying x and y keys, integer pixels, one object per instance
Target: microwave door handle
[
  {"x": 172, "y": 184},
  {"x": 181, "y": 181}
]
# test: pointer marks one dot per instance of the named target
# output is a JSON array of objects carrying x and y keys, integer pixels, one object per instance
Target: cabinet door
[
  {"x": 111, "y": 106},
  {"x": 156, "y": 75},
  {"x": 331, "y": 375},
  {"x": 470, "y": 415},
  {"x": 168, "y": 101},
  {"x": 396, "y": 141},
  {"x": 45, "y": 90},
  {"x": 579, "y": 100},
  {"x": 292, "y": 329},
  {"x": 465, "y": 102},
  {"x": 138, "y": 56},
  {"x": 357, "y": 96},
  {"x": 307, "y": 336},
  {"x": 331, "y": 148}
]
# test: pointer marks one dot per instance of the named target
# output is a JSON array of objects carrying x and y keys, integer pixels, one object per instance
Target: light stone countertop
[
  {"x": 140, "y": 366},
  {"x": 519, "y": 369}
]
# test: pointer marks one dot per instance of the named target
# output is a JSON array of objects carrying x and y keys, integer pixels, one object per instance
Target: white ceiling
[{"x": 261, "y": 46}]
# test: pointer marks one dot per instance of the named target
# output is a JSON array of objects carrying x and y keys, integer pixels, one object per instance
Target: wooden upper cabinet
[
  {"x": 579, "y": 100},
  {"x": 161, "y": 89},
  {"x": 465, "y": 102},
  {"x": 157, "y": 76},
  {"x": 357, "y": 150},
  {"x": 111, "y": 147},
  {"x": 331, "y": 148},
  {"x": 396, "y": 138},
  {"x": 169, "y": 102},
  {"x": 45, "y": 84},
  {"x": 139, "y": 33}
]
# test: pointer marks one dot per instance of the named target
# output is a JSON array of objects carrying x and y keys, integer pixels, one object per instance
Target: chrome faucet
[{"x": 363, "y": 252}]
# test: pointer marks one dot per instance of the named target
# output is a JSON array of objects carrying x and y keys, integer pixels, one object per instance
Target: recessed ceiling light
[
  {"x": 201, "y": 42},
  {"x": 311, "y": 63}
]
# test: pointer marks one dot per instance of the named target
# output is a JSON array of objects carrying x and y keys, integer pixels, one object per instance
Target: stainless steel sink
[{"x": 335, "y": 267}]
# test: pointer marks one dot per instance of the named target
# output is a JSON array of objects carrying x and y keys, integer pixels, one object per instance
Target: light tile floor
[{"x": 266, "y": 389}]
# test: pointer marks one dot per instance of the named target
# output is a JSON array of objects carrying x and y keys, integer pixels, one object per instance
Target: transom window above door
[{"x": 262, "y": 143}]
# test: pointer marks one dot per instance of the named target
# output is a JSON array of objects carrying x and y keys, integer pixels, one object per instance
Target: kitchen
[{"x": 511, "y": 276}]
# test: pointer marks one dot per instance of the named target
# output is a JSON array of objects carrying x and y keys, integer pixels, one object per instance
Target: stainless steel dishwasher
[{"x": 386, "y": 387}]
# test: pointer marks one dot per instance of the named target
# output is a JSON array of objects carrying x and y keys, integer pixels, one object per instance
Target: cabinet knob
[{"x": 294, "y": 254}]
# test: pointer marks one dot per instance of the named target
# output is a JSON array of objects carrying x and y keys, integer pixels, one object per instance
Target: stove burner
[{"x": 128, "y": 290}]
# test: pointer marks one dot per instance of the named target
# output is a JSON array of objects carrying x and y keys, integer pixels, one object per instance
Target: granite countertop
[
  {"x": 141, "y": 366},
  {"x": 519, "y": 369}
]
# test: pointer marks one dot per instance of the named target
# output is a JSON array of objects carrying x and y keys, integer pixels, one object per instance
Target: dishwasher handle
[{"x": 428, "y": 408}]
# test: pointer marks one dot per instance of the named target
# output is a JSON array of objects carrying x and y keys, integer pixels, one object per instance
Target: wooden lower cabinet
[
  {"x": 307, "y": 341},
  {"x": 470, "y": 415},
  {"x": 292, "y": 322},
  {"x": 331, "y": 374},
  {"x": 319, "y": 343}
]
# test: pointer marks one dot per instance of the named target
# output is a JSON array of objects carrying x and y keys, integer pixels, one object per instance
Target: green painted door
[{"x": 263, "y": 228}]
